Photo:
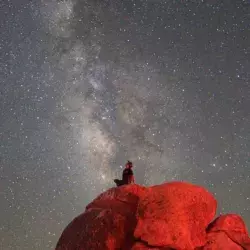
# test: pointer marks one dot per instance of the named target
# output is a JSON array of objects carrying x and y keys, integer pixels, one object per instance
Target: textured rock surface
[
  {"x": 108, "y": 222},
  {"x": 170, "y": 216},
  {"x": 227, "y": 232}
]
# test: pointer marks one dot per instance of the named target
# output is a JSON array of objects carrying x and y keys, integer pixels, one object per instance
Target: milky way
[{"x": 86, "y": 85}]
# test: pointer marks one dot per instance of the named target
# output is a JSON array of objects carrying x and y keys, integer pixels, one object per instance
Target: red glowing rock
[
  {"x": 123, "y": 199},
  {"x": 143, "y": 246},
  {"x": 227, "y": 232},
  {"x": 175, "y": 215},
  {"x": 164, "y": 217},
  {"x": 108, "y": 222},
  {"x": 94, "y": 229}
]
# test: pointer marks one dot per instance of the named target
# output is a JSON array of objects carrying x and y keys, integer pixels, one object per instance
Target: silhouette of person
[{"x": 127, "y": 175}]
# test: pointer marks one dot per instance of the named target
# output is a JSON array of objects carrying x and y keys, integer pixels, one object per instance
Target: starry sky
[{"x": 87, "y": 84}]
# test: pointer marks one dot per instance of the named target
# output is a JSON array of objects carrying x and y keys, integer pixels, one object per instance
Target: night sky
[{"x": 86, "y": 85}]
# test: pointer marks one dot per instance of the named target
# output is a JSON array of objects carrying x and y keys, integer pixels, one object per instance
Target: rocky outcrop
[
  {"x": 227, "y": 232},
  {"x": 174, "y": 215}
]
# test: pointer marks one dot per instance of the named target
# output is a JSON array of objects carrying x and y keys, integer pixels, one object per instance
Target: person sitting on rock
[{"x": 127, "y": 175}]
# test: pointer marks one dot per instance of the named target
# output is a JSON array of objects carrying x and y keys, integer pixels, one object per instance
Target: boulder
[
  {"x": 227, "y": 232},
  {"x": 175, "y": 215},
  {"x": 170, "y": 216},
  {"x": 107, "y": 223}
]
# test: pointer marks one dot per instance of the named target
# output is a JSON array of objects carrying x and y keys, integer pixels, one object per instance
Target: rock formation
[{"x": 176, "y": 215}]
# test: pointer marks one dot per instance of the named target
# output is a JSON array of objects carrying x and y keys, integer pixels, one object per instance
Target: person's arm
[{"x": 132, "y": 178}]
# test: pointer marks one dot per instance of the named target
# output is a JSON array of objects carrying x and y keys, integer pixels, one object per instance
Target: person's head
[{"x": 129, "y": 164}]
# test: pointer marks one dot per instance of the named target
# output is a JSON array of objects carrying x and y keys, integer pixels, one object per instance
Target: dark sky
[{"x": 86, "y": 85}]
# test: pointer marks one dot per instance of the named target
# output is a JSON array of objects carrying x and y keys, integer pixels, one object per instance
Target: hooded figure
[{"x": 127, "y": 175}]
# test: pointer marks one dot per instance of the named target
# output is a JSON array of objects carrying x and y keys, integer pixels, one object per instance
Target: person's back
[{"x": 128, "y": 175}]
